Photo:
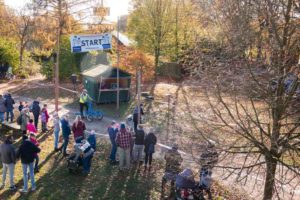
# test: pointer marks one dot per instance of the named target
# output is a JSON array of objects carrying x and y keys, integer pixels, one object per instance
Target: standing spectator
[
  {"x": 21, "y": 106},
  {"x": 44, "y": 118},
  {"x": 66, "y": 131},
  {"x": 9, "y": 104},
  {"x": 2, "y": 108},
  {"x": 91, "y": 138},
  {"x": 136, "y": 116},
  {"x": 36, "y": 110},
  {"x": 173, "y": 162},
  {"x": 33, "y": 139},
  {"x": 150, "y": 142},
  {"x": 26, "y": 152},
  {"x": 139, "y": 144},
  {"x": 83, "y": 101},
  {"x": 30, "y": 127},
  {"x": 8, "y": 157},
  {"x": 24, "y": 120},
  {"x": 124, "y": 140},
  {"x": 56, "y": 123},
  {"x": 112, "y": 132},
  {"x": 78, "y": 128}
]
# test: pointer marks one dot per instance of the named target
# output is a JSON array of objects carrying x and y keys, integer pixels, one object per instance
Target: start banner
[{"x": 85, "y": 43}]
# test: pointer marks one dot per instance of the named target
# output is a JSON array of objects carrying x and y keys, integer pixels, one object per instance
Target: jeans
[
  {"x": 81, "y": 106},
  {"x": 36, "y": 120},
  {"x": 1, "y": 116},
  {"x": 31, "y": 173},
  {"x": 11, "y": 169},
  {"x": 11, "y": 114},
  {"x": 124, "y": 156},
  {"x": 87, "y": 162},
  {"x": 148, "y": 157},
  {"x": 56, "y": 137},
  {"x": 138, "y": 152},
  {"x": 44, "y": 126},
  {"x": 113, "y": 152},
  {"x": 65, "y": 144}
]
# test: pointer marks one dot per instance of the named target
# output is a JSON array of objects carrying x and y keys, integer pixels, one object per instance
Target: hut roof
[{"x": 104, "y": 71}]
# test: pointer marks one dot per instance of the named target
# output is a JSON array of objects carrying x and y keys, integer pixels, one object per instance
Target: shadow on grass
[{"x": 104, "y": 182}]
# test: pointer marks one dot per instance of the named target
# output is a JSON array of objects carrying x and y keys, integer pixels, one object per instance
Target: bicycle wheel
[{"x": 89, "y": 118}]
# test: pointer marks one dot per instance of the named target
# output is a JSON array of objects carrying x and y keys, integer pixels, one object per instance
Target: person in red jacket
[{"x": 78, "y": 128}]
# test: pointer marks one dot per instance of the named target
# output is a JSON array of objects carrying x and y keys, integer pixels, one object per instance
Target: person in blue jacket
[
  {"x": 66, "y": 131},
  {"x": 112, "y": 132},
  {"x": 92, "y": 139}
]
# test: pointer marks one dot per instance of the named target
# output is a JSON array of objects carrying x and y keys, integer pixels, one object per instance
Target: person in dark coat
[
  {"x": 27, "y": 153},
  {"x": 66, "y": 132},
  {"x": 150, "y": 142},
  {"x": 139, "y": 144},
  {"x": 36, "y": 110},
  {"x": 8, "y": 157},
  {"x": 112, "y": 132},
  {"x": 136, "y": 116},
  {"x": 9, "y": 104},
  {"x": 2, "y": 109}
]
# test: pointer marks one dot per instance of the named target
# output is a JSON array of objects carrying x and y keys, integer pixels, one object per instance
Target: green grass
[{"x": 104, "y": 182}]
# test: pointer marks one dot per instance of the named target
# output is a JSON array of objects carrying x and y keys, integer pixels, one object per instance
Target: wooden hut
[{"x": 101, "y": 84}]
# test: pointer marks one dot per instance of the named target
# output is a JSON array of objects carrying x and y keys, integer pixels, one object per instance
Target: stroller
[
  {"x": 75, "y": 160},
  {"x": 188, "y": 189}
]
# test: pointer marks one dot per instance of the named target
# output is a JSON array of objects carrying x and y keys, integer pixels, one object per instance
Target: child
[
  {"x": 21, "y": 106},
  {"x": 33, "y": 139},
  {"x": 45, "y": 118},
  {"x": 92, "y": 139},
  {"x": 30, "y": 127}
]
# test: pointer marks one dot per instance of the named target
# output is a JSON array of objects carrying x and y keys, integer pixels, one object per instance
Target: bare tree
[{"x": 256, "y": 123}]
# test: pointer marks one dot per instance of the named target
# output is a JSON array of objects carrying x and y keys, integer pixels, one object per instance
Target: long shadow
[{"x": 104, "y": 182}]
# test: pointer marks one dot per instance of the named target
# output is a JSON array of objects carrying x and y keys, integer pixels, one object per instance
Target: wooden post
[
  {"x": 139, "y": 96},
  {"x": 56, "y": 86},
  {"x": 118, "y": 66}
]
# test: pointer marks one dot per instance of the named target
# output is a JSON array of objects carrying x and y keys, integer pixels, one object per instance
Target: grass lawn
[{"x": 105, "y": 181}]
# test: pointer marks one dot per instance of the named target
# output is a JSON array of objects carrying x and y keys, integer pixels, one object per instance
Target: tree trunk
[
  {"x": 156, "y": 60},
  {"x": 270, "y": 178}
]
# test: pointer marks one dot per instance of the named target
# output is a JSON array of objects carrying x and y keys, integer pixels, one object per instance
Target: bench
[{"x": 14, "y": 126}]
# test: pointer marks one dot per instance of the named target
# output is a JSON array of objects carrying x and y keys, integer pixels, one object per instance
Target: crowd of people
[{"x": 129, "y": 144}]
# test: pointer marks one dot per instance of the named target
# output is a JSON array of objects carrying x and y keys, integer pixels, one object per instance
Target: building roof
[
  {"x": 104, "y": 71},
  {"x": 123, "y": 39}
]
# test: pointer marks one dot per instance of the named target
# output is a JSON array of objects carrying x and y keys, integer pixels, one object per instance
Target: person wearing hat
[
  {"x": 56, "y": 124},
  {"x": 173, "y": 163},
  {"x": 83, "y": 101},
  {"x": 112, "y": 132},
  {"x": 124, "y": 141}
]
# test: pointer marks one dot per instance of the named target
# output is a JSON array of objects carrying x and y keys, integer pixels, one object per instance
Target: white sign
[{"x": 85, "y": 43}]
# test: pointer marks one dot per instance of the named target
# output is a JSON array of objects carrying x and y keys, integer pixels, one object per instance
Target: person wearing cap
[
  {"x": 136, "y": 116},
  {"x": 150, "y": 142},
  {"x": 173, "y": 163},
  {"x": 112, "y": 132},
  {"x": 56, "y": 124},
  {"x": 66, "y": 132},
  {"x": 83, "y": 100},
  {"x": 123, "y": 141}
]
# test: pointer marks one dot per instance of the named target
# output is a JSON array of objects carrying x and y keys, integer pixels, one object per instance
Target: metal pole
[{"x": 118, "y": 66}]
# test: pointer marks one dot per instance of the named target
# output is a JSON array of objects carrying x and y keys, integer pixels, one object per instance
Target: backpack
[{"x": 19, "y": 120}]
